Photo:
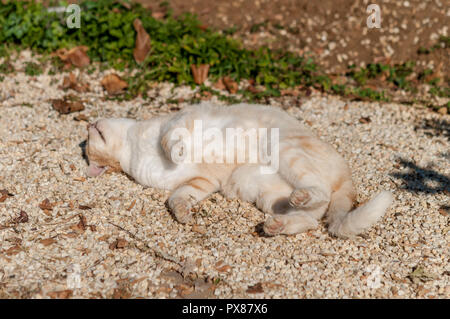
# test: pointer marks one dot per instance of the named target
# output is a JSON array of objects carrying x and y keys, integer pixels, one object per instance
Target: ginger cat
[{"x": 306, "y": 178}]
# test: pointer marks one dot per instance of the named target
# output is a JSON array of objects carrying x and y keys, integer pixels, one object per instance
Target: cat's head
[{"x": 105, "y": 145}]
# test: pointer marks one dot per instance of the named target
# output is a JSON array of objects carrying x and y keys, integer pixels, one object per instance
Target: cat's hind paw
[
  {"x": 181, "y": 209},
  {"x": 308, "y": 198}
]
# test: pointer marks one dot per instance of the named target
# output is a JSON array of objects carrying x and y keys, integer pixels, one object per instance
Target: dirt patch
[{"x": 334, "y": 30}]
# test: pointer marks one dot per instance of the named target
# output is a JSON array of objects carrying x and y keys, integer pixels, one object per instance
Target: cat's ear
[{"x": 94, "y": 170}]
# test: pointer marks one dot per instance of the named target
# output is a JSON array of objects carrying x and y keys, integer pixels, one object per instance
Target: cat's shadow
[
  {"x": 82, "y": 145},
  {"x": 259, "y": 230}
]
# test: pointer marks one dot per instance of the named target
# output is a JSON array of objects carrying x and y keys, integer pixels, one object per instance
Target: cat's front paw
[
  {"x": 273, "y": 226},
  {"x": 174, "y": 149},
  {"x": 181, "y": 209}
]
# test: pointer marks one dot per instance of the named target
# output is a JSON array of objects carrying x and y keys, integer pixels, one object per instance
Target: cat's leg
[
  {"x": 188, "y": 194},
  {"x": 177, "y": 135},
  {"x": 305, "y": 170},
  {"x": 292, "y": 223},
  {"x": 273, "y": 199}
]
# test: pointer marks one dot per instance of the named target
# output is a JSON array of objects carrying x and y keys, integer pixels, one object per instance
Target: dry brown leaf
[
  {"x": 119, "y": 243},
  {"x": 200, "y": 72},
  {"x": 79, "y": 118},
  {"x": 121, "y": 293},
  {"x": 255, "y": 289},
  {"x": 444, "y": 211},
  {"x": 68, "y": 104},
  {"x": 131, "y": 206},
  {"x": 22, "y": 218},
  {"x": 220, "y": 267},
  {"x": 81, "y": 226},
  {"x": 184, "y": 290},
  {"x": 84, "y": 207},
  {"x": 60, "y": 294},
  {"x": 12, "y": 250},
  {"x": 113, "y": 83},
  {"x": 231, "y": 85},
  {"x": 4, "y": 195},
  {"x": 365, "y": 120},
  {"x": 219, "y": 85},
  {"x": 443, "y": 110},
  {"x": 46, "y": 205},
  {"x": 47, "y": 241},
  {"x": 76, "y": 56},
  {"x": 71, "y": 82},
  {"x": 293, "y": 92},
  {"x": 142, "y": 47}
]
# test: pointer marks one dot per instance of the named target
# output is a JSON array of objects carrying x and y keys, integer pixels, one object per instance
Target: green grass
[{"x": 176, "y": 44}]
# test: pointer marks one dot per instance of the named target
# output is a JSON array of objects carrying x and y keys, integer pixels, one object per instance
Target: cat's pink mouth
[{"x": 95, "y": 170}]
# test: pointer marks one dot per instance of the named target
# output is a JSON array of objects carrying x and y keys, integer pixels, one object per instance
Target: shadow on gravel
[
  {"x": 435, "y": 127},
  {"x": 418, "y": 179},
  {"x": 82, "y": 145}
]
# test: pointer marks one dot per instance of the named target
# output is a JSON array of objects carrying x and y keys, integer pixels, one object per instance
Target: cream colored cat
[{"x": 311, "y": 178}]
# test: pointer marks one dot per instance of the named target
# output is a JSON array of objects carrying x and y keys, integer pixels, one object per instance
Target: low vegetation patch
[{"x": 154, "y": 48}]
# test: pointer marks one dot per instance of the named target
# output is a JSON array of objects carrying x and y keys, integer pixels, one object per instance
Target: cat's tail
[{"x": 345, "y": 223}]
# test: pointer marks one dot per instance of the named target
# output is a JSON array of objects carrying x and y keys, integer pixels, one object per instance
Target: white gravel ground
[{"x": 56, "y": 253}]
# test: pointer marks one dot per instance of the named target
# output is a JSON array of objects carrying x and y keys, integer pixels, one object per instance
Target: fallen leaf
[
  {"x": 4, "y": 195},
  {"x": 142, "y": 47},
  {"x": 71, "y": 82},
  {"x": 46, "y": 205},
  {"x": 103, "y": 238},
  {"x": 200, "y": 73},
  {"x": 60, "y": 294},
  {"x": 220, "y": 267},
  {"x": 13, "y": 250},
  {"x": 365, "y": 120},
  {"x": 443, "y": 110},
  {"x": 421, "y": 291},
  {"x": 119, "y": 243},
  {"x": 219, "y": 85},
  {"x": 68, "y": 104},
  {"x": 292, "y": 92},
  {"x": 79, "y": 118},
  {"x": 81, "y": 226},
  {"x": 22, "y": 218},
  {"x": 121, "y": 293},
  {"x": 47, "y": 241},
  {"x": 113, "y": 83},
  {"x": 84, "y": 207},
  {"x": 131, "y": 206},
  {"x": 184, "y": 290},
  {"x": 76, "y": 56},
  {"x": 231, "y": 85},
  {"x": 444, "y": 211},
  {"x": 71, "y": 235},
  {"x": 253, "y": 89},
  {"x": 79, "y": 179},
  {"x": 255, "y": 289}
]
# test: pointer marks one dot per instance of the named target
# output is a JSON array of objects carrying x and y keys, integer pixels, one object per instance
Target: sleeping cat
[{"x": 311, "y": 178}]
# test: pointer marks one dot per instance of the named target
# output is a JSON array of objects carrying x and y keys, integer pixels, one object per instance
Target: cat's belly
[{"x": 160, "y": 173}]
